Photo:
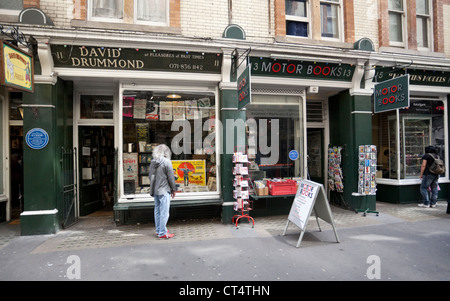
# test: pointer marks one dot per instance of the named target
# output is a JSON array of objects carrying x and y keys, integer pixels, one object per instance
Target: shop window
[
  {"x": 396, "y": 22},
  {"x": 297, "y": 22},
  {"x": 423, "y": 23},
  {"x": 279, "y": 127},
  {"x": 183, "y": 121},
  {"x": 96, "y": 107},
  {"x": 329, "y": 18},
  {"x": 401, "y": 138}
]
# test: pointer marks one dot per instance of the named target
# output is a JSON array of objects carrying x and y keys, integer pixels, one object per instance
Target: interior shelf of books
[
  {"x": 241, "y": 183},
  {"x": 148, "y": 121}
]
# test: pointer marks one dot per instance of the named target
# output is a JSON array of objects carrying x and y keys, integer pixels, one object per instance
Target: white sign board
[{"x": 310, "y": 195}]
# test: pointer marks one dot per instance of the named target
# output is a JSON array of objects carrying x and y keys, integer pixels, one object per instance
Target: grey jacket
[{"x": 161, "y": 177}]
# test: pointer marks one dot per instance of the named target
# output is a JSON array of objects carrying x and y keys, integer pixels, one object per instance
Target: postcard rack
[{"x": 241, "y": 183}]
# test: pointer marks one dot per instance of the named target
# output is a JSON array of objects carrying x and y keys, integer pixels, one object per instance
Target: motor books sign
[
  {"x": 310, "y": 195},
  {"x": 392, "y": 94}
]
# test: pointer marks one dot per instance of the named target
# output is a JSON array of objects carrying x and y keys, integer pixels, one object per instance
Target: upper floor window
[
  {"x": 11, "y": 4},
  {"x": 396, "y": 22},
  {"x": 150, "y": 12},
  {"x": 423, "y": 23},
  {"x": 106, "y": 10},
  {"x": 153, "y": 12},
  {"x": 330, "y": 12},
  {"x": 297, "y": 20}
]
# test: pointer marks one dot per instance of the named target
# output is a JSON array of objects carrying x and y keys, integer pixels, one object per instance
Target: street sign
[
  {"x": 391, "y": 94},
  {"x": 310, "y": 195},
  {"x": 244, "y": 88}
]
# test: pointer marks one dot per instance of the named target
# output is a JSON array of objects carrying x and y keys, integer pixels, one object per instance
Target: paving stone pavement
[{"x": 99, "y": 231}]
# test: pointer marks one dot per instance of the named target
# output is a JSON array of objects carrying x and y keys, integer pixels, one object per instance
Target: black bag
[{"x": 437, "y": 167}]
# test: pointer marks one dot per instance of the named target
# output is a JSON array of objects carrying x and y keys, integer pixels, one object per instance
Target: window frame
[
  {"x": 397, "y": 119},
  {"x": 307, "y": 20},
  {"x": 151, "y": 23},
  {"x": 403, "y": 16},
  {"x": 340, "y": 25},
  {"x": 429, "y": 28},
  {"x": 187, "y": 196},
  {"x": 90, "y": 17}
]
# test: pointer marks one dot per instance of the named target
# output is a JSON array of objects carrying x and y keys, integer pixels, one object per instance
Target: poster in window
[
  {"x": 128, "y": 106},
  {"x": 190, "y": 172},
  {"x": 130, "y": 167},
  {"x": 204, "y": 105},
  {"x": 142, "y": 131},
  {"x": 139, "y": 108},
  {"x": 191, "y": 109},
  {"x": 165, "y": 110},
  {"x": 179, "y": 111},
  {"x": 152, "y": 110}
]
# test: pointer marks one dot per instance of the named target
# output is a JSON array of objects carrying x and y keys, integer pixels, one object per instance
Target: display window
[
  {"x": 278, "y": 120},
  {"x": 183, "y": 121},
  {"x": 401, "y": 137}
]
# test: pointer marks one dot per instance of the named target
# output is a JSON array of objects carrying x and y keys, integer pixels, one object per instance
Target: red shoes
[{"x": 167, "y": 235}]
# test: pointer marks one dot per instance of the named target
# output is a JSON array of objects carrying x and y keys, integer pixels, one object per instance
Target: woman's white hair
[{"x": 161, "y": 151}]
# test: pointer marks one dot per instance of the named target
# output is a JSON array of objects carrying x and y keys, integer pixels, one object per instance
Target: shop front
[
  {"x": 285, "y": 91},
  {"x": 401, "y": 135},
  {"x": 104, "y": 110}
]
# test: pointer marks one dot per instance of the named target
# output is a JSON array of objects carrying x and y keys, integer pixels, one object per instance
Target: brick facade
[{"x": 265, "y": 20}]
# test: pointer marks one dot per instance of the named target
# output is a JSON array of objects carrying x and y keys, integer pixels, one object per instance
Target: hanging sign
[
  {"x": 37, "y": 138},
  {"x": 244, "y": 88},
  {"x": 16, "y": 68},
  {"x": 310, "y": 195},
  {"x": 391, "y": 94}
]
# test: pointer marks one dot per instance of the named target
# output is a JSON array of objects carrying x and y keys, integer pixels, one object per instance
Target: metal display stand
[
  {"x": 367, "y": 162},
  {"x": 241, "y": 182}
]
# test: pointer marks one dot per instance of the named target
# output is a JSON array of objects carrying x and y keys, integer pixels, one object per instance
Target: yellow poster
[
  {"x": 190, "y": 172},
  {"x": 17, "y": 69}
]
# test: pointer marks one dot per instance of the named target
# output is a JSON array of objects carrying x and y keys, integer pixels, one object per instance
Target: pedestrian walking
[
  {"x": 429, "y": 179},
  {"x": 162, "y": 187}
]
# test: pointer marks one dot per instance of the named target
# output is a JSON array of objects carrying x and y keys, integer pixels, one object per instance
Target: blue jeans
[
  {"x": 162, "y": 205},
  {"x": 429, "y": 181}
]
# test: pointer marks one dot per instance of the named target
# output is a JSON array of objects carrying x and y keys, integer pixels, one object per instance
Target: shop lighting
[
  {"x": 305, "y": 58},
  {"x": 173, "y": 96}
]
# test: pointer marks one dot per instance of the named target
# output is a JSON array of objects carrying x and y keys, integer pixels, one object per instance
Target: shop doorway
[
  {"x": 315, "y": 152},
  {"x": 96, "y": 168},
  {"x": 16, "y": 168}
]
